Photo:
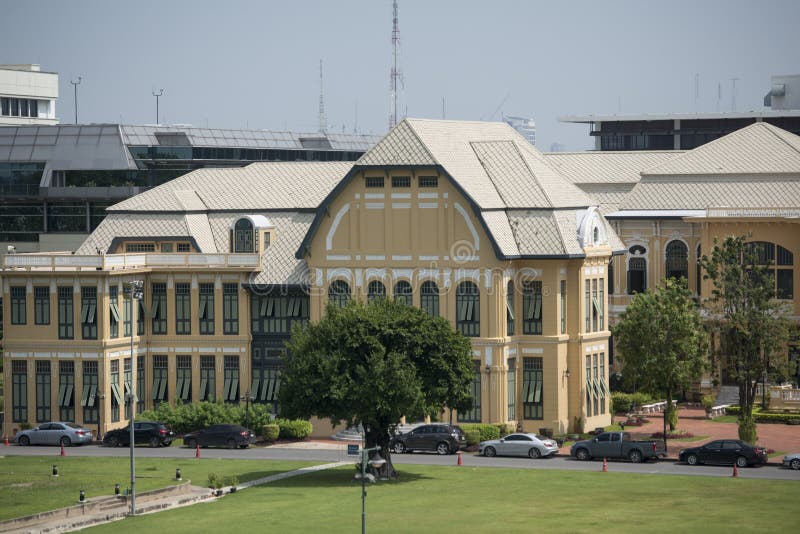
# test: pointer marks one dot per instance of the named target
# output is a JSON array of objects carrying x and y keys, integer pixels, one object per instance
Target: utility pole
[
  {"x": 733, "y": 93},
  {"x": 157, "y": 95},
  {"x": 395, "y": 74},
  {"x": 75, "y": 86},
  {"x": 322, "y": 120}
]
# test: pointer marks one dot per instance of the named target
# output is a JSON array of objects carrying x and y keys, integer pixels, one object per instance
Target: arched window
[
  {"x": 677, "y": 261},
  {"x": 699, "y": 268},
  {"x": 510, "y": 309},
  {"x": 637, "y": 275},
  {"x": 243, "y": 236},
  {"x": 429, "y": 298},
  {"x": 532, "y": 307},
  {"x": 339, "y": 293},
  {"x": 402, "y": 292},
  {"x": 376, "y": 290},
  {"x": 468, "y": 309}
]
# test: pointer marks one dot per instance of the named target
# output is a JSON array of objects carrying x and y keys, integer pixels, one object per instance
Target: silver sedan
[
  {"x": 792, "y": 460},
  {"x": 529, "y": 445},
  {"x": 57, "y": 433}
]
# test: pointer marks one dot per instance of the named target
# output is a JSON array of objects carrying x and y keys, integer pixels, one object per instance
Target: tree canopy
[
  {"x": 662, "y": 341},
  {"x": 372, "y": 364},
  {"x": 751, "y": 324}
]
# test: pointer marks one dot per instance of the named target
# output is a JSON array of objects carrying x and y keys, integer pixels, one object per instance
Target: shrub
[
  {"x": 213, "y": 479},
  {"x": 747, "y": 430},
  {"x": 271, "y": 432},
  {"x": 506, "y": 429},
  {"x": 473, "y": 436},
  {"x": 486, "y": 431},
  {"x": 626, "y": 402},
  {"x": 708, "y": 402},
  {"x": 676, "y": 434},
  {"x": 187, "y": 417},
  {"x": 672, "y": 416},
  {"x": 294, "y": 428}
]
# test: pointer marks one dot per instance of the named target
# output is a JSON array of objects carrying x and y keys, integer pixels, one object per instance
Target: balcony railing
[
  {"x": 752, "y": 212},
  {"x": 113, "y": 262}
]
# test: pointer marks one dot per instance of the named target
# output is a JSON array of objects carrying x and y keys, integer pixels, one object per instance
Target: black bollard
[
  {"x": 82, "y": 497},
  {"x": 55, "y": 470},
  {"x": 116, "y": 489},
  {"x": 178, "y": 474}
]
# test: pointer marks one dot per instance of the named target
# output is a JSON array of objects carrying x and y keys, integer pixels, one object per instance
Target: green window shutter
[
  {"x": 469, "y": 315},
  {"x": 526, "y": 391},
  {"x": 604, "y": 385},
  {"x": 277, "y": 382},
  {"x": 234, "y": 387},
  {"x": 202, "y": 312},
  {"x": 510, "y": 310},
  {"x": 203, "y": 386},
  {"x": 62, "y": 389},
  {"x": 68, "y": 395},
  {"x": 163, "y": 389},
  {"x": 537, "y": 395},
  {"x": 127, "y": 389},
  {"x": 84, "y": 312},
  {"x": 92, "y": 396},
  {"x": 115, "y": 312},
  {"x": 596, "y": 305},
  {"x": 156, "y": 386},
  {"x": 226, "y": 392},
  {"x": 85, "y": 395},
  {"x": 254, "y": 387},
  {"x": 90, "y": 316},
  {"x": 179, "y": 388},
  {"x": 154, "y": 309},
  {"x": 187, "y": 388},
  {"x": 117, "y": 393},
  {"x": 263, "y": 310},
  {"x": 537, "y": 306}
]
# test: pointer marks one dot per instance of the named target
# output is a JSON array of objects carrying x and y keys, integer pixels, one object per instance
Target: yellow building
[
  {"x": 668, "y": 207},
  {"x": 463, "y": 219}
]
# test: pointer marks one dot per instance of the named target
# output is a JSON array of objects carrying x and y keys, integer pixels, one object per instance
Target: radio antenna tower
[
  {"x": 322, "y": 120},
  {"x": 395, "y": 75}
]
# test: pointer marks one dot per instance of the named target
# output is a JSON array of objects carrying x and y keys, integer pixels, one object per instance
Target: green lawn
[
  {"x": 26, "y": 486},
  {"x": 466, "y": 499}
]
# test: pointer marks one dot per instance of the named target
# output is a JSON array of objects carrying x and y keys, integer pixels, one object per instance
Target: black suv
[
  {"x": 152, "y": 433},
  {"x": 439, "y": 437},
  {"x": 230, "y": 436}
]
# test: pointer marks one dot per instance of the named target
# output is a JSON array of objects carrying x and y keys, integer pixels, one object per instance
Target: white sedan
[
  {"x": 792, "y": 460},
  {"x": 529, "y": 445}
]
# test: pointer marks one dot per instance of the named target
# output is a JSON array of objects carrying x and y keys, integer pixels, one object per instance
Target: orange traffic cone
[
  {"x": 605, "y": 465},
  {"x": 459, "y": 458},
  {"x": 63, "y": 452},
  {"x": 197, "y": 451},
  {"x": 735, "y": 471}
]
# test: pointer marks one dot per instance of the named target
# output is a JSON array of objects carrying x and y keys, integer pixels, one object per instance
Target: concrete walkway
[{"x": 107, "y": 509}]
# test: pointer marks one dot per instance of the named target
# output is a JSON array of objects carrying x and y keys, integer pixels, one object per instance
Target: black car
[
  {"x": 222, "y": 435},
  {"x": 724, "y": 452},
  {"x": 439, "y": 437},
  {"x": 152, "y": 433}
]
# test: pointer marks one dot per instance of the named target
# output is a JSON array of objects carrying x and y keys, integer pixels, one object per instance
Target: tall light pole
[
  {"x": 135, "y": 290},
  {"x": 157, "y": 95},
  {"x": 75, "y": 86}
]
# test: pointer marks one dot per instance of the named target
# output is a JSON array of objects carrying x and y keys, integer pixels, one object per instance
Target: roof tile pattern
[
  {"x": 606, "y": 167},
  {"x": 760, "y": 148},
  {"x": 134, "y": 225},
  {"x": 400, "y": 147},
  {"x": 510, "y": 174},
  {"x": 258, "y": 186}
]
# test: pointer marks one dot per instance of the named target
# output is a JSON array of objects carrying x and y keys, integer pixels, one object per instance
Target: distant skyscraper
[
  {"x": 524, "y": 125},
  {"x": 557, "y": 147}
]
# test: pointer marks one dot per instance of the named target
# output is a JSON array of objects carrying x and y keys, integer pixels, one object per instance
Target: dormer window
[
  {"x": 251, "y": 234},
  {"x": 243, "y": 241}
]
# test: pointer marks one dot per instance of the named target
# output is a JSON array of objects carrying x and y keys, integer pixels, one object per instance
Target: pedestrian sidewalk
[{"x": 112, "y": 508}]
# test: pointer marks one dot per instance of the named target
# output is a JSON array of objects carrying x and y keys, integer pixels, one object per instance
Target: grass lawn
[
  {"x": 26, "y": 486},
  {"x": 466, "y": 499}
]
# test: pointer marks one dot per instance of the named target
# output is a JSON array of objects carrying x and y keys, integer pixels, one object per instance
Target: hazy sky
[{"x": 236, "y": 64}]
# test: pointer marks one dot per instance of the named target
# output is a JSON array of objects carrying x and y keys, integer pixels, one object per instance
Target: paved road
[{"x": 663, "y": 467}]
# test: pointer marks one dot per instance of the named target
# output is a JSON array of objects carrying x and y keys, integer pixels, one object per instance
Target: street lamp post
[
  {"x": 75, "y": 86},
  {"x": 135, "y": 291},
  {"x": 247, "y": 400},
  {"x": 374, "y": 462},
  {"x": 157, "y": 95}
]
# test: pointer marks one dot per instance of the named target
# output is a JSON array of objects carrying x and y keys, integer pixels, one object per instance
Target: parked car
[
  {"x": 55, "y": 433},
  {"x": 152, "y": 433},
  {"x": 440, "y": 437},
  {"x": 230, "y": 436},
  {"x": 725, "y": 452},
  {"x": 618, "y": 445},
  {"x": 529, "y": 445},
  {"x": 792, "y": 460}
]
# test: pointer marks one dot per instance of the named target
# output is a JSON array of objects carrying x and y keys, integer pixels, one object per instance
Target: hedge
[
  {"x": 486, "y": 431},
  {"x": 294, "y": 428},
  {"x": 766, "y": 417},
  {"x": 271, "y": 432},
  {"x": 473, "y": 436},
  {"x": 624, "y": 402},
  {"x": 185, "y": 418}
]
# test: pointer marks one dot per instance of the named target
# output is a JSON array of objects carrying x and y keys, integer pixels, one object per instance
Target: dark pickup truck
[{"x": 618, "y": 445}]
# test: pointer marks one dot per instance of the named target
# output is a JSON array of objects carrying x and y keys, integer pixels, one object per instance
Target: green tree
[
  {"x": 753, "y": 327},
  {"x": 373, "y": 364},
  {"x": 663, "y": 342}
]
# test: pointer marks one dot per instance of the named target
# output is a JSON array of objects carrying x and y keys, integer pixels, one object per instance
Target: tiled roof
[
  {"x": 606, "y": 167},
  {"x": 607, "y": 197},
  {"x": 760, "y": 148},
  {"x": 400, "y": 147},
  {"x": 258, "y": 186},
  {"x": 134, "y": 225},
  {"x": 691, "y": 193},
  {"x": 500, "y": 228}
]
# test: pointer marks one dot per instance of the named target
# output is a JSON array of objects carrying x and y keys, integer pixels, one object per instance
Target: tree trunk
[{"x": 381, "y": 438}]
